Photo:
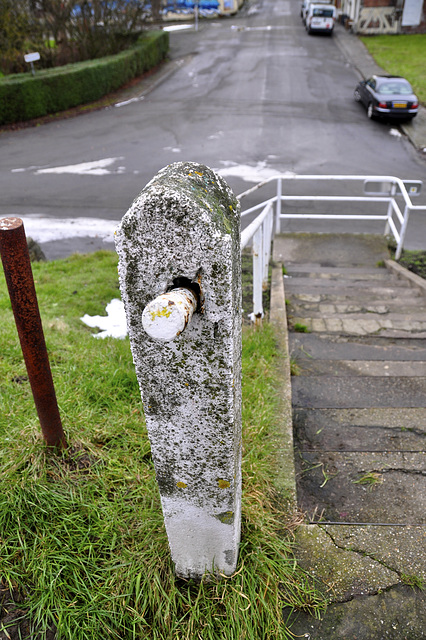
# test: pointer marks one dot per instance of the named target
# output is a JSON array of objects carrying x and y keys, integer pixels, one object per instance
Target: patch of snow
[
  {"x": 45, "y": 229},
  {"x": 246, "y": 172},
  {"x": 113, "y": 325},
  {"x": 216, "y": 136},
  {"x": 395, "y": 132}
]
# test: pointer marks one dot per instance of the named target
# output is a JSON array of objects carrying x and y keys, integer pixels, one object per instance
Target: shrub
[{"x": 23, "y": 97}]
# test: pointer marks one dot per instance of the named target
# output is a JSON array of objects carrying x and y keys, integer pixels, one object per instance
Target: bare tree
[
  {"x": 19, "y": 34},
  {"x": 156, "y": 9}
]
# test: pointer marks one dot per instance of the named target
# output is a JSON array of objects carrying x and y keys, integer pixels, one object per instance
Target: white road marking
[{"x": 93, "y": 168}]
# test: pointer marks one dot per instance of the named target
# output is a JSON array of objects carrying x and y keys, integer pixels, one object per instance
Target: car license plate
[{"x": 400, "y": 105}]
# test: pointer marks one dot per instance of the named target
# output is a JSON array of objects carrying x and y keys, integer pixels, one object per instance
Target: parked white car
[
  {"x": 306, "y": 4},
  {"x": 320, "y": 18}
]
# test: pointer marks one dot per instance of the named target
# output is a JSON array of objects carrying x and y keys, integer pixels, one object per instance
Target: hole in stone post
[
  {"x": 216, "y": 330},
  {"x": 181, "y": 281}
]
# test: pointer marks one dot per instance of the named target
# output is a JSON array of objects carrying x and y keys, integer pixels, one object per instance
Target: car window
[
  {"x": 323, "y": 13},
  {"x": 371, "y": 83},
  {"x": 399, "y": 87}
]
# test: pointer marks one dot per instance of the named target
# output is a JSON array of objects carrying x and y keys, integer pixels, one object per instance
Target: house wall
[
  {"x": 374, "y": 17},
  {"x": 421, "y": 27}
]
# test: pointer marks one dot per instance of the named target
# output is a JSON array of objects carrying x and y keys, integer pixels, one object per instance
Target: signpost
[{"x": 31, "y": 58}]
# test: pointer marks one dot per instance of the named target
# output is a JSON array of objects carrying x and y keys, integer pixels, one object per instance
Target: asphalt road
[{"x": 251, "y": 96}]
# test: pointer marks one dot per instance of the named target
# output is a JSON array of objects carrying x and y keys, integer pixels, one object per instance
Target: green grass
[
  {"x": 403, "y": 55},
  {"x": 82, "y": 541},
  {"x": 300, "y": 328},
  {"x": 415, "y": 261}
]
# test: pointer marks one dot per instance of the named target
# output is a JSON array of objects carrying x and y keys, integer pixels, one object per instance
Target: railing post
[
  {"x": 278, "y": 205},
  {"x": 390, "y": 210},
  {"x": 402, "y": 233},
  {"x": 20, "y": 284},
  {"x": 179, "y": 245},
  {"x": 258, "y": 275},
  {"x": 267, "y": 240}
]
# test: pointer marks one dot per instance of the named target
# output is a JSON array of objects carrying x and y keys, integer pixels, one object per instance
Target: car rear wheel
[
  {"x": 357, "y": 96},
  {"x": 370, "y": 112}
]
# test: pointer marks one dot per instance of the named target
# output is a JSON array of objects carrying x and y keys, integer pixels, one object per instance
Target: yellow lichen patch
[
  {"x": 181, "y": 485},
  {"x": 161, "y": 313},
  {"x": 223, "y": 484}
]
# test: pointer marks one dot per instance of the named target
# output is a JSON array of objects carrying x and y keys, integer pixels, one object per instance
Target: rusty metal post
[{"x": 20, "y": 283}]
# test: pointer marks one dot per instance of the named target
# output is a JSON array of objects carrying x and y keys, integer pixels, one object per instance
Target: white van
[
  {"x": 320, "y": 18},
  {"x": 305, "y": 7}
]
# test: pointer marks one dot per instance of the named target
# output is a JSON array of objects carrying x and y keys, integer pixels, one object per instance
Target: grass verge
[
  {"x": 401, "y": 55},
  {"x": 83, "y": 550},
  {"x": 414, "y": 261}
]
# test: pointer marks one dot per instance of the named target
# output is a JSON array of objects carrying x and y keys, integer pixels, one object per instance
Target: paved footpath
[{"x": 359, "y": 419}]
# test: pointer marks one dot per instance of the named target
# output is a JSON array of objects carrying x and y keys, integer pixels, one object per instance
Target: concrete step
[
  {"x": 295, "y": 269},
  {"x": 299, "y": 272},
  {"x": 330, "y": 250},
  {"x": 342, "y": 368},
  {"x": 329, "y": 284},
  {"x": 373, "y": 429},
  {"x": 358, "y": 392},
  {"x": 359, "y": 423},
  {"x": 343, "y": 296},
  {"x": 328, "y": 307},
  {"x": 360, "y": 324},
  {"x": 309, "y": 346},
  {"x": 362, "y": 487}
]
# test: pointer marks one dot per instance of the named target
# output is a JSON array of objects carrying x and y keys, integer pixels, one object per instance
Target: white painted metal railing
[
  {"x": 260, "y": 230},
  {"x": 394, "y": 193}
]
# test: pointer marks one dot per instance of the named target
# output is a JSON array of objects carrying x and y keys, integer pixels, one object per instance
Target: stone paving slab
[
  {"x": 394, "y": 319},
  {"x": 361, "y": 324},
  {"x": 318, "y": 294},
  {"x": 398, "y": 613},
  {"x": 331, "y": 306},
  {"x": 362, "y": 487},
  {"x": 352, "y": 392},
  {"x": 309, "y": 346},
  {"x": 368, "y": 558},
  {"x": 360, "y": 429}
]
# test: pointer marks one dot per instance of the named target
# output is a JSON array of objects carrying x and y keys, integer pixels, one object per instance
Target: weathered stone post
[{"x": 181, "y": 237}]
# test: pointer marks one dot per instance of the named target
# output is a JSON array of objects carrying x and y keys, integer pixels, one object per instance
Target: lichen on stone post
[{"x": 183, "y": 231}]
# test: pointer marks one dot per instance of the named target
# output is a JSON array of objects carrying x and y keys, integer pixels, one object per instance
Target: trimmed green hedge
[{"x": 23, "y": 97}]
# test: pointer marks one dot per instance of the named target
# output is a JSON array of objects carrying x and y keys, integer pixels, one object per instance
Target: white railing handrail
[
  {"x": 337, "y": 178},
  {"x": 261, "y": 229},
  {"x": 248, "y": 232}
]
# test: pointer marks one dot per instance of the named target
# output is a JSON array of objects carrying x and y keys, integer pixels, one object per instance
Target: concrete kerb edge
[
  {"x": 413, "y": 279},
  {"x": 285, "y": 476}
]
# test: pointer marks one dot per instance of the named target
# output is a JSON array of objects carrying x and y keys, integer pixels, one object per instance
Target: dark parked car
[{"x": 387, "y": 97}]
